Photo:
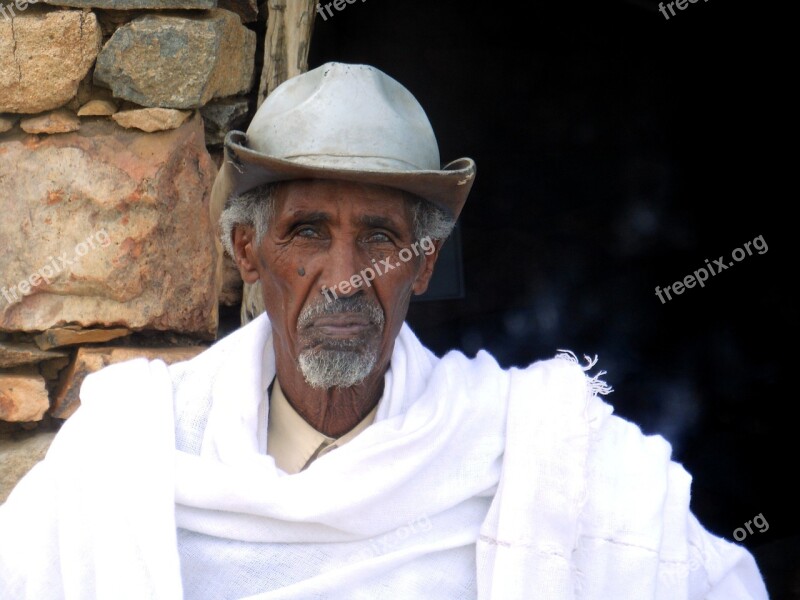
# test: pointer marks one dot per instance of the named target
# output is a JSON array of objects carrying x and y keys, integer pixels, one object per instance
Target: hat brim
[{"x": 246, "y": 169}]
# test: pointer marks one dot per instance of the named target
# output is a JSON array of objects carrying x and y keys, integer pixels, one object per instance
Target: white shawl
[{"x": 473, "y": 481}]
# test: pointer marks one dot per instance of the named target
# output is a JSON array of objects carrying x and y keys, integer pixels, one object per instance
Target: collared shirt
[{"x": 292, "y": 442}]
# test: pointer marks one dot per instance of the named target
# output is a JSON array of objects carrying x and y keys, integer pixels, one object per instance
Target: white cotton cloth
[{"x": 473, "y": 482}]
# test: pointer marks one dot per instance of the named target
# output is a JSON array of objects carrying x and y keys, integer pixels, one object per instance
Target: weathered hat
[{"x": 344, "y": 122}]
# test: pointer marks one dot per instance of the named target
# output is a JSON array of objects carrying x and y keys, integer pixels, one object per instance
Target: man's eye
[
  {"x": 306, "y": 232},
  {"x": 378, "y": 237}
]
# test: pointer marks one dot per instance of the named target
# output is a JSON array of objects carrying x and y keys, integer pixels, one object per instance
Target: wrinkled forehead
[{"x": 358, "y": 200}]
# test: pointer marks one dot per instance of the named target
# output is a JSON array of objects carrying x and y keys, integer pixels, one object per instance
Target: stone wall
[{"x": 112, "y": 116}]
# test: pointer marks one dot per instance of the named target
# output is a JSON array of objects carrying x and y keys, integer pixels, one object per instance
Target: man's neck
[{"x": 333, "y": 411}]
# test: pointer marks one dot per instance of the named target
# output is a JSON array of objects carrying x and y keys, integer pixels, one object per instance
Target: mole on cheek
[{"x": 301, "y": 271}]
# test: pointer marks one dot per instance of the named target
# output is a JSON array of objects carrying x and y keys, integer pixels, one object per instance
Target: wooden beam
[{"x": 290, "y": 24}]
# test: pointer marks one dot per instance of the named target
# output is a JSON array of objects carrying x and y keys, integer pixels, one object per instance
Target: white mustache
[{"x": 352, "y": 305}]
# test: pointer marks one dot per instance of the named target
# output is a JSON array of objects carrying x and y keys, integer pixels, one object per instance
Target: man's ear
[
  {"x": 245, "y": 253},
  {"x": 429, "y": 256}
]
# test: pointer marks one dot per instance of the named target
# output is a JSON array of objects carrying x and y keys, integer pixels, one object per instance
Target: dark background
[{"x": 617, "y": 151}]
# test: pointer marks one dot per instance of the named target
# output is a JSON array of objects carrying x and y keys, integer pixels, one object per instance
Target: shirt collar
[{"x": 292, "y": 442}]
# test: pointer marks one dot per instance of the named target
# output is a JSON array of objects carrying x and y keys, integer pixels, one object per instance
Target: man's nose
[{"x": 343, "y": 261}]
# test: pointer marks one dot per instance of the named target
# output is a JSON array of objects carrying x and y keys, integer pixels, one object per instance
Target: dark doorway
[{"x": 617, "y": 150}]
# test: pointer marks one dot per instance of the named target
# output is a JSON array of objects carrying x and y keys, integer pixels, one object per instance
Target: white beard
[{"x": 326, "y": 368}]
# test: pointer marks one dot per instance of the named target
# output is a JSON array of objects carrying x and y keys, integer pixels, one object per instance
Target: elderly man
[{"x": 322, "y": 451}]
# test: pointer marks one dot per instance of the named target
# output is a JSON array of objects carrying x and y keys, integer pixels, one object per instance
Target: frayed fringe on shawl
[{"x": 596, "y": 384}]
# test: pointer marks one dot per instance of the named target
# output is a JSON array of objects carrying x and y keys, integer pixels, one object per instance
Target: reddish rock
[
  {"x": 97, "y": 108},
  {"x": 7, "y": 122},
  {"x": 115, "y": 228},
  {"x": 57, "y": 121},
  {"x": 23, "y": 397},
  {"x": 151, "y": 119},
  {"x": 16, "y": 354},
  {"x": 68, "y": 336}
]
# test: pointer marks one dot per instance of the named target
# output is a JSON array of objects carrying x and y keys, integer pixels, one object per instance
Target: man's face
[{"x": 322, "y": 234}]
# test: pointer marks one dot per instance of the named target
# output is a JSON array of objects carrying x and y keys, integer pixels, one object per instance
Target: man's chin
[{"x": 325, "y": 368}]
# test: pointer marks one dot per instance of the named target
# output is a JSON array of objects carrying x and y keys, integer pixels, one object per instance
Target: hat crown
[{"x": 345, "y": 117}]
